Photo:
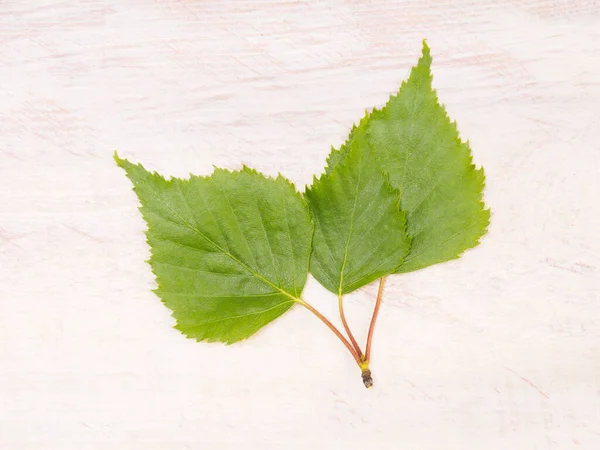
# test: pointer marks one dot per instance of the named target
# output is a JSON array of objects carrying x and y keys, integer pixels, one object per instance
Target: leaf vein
[{"x": 254, "y": 313}]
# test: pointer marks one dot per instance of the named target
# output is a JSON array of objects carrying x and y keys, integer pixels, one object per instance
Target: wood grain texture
[{"x": 498, "y": 350}]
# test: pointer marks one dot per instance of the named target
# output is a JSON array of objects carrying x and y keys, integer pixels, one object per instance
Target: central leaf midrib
[
  {"x": 289, "y": 235},
  {"x": 340, "y": 289},
  {"x": 254, "y": 313},
  {"x": 217, "y": 246}
]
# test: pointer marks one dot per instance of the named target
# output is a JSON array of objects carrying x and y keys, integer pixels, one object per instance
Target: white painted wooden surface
[{"x": 499, "y": 350}]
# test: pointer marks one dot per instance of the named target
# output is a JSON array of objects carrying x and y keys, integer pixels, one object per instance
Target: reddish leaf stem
[
  {"x": 332, "y": 327},
  {"x": 347, "y": 328},
  {"x": 374, "y": 319}
]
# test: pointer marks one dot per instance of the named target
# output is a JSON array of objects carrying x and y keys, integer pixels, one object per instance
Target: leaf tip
[
  {"x": 425, "y": 59},
  {"x": 118, "y": 160}
]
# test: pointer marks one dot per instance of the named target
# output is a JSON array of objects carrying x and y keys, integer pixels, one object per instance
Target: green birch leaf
[
  {"x": 230, "y": 251},
  {"x": 420, "y": 149},
  {"x": 359, "y": 227}
]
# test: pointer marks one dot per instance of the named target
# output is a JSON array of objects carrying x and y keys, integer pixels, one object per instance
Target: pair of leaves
[
  {"x": 231, "y": 252},
  {"x": 420, "y": 149}
]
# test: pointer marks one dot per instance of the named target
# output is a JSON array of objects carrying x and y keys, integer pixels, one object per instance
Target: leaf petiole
[
  {"x": 374, "y": 319},
  {"x": 353, "y": 348},
  {"x": 333, "y": 328},
  {"x": 347, "y": 328}
]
